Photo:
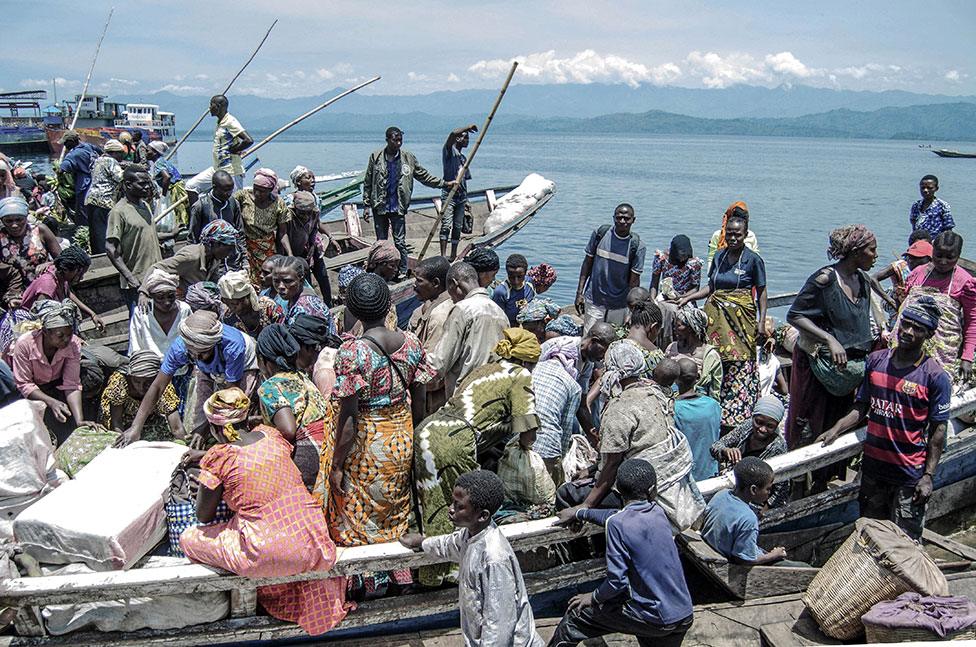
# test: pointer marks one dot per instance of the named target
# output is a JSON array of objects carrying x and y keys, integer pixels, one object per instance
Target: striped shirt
[
  {"x": 901, "y": 403},
  {"x": 557, "y": 397}
]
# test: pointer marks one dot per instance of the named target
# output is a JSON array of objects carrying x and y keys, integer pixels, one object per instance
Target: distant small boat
[{"x": 941, "y": 152}]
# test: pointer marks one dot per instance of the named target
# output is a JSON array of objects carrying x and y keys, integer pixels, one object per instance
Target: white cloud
[
  {"x": 587, "y": 66},
  {"x": 201, "y": 77},
  {"x": 323, "y": 73},
  {"x": 952, "y": 75},
  {"x": 453, "y": 78},
  {"x": 125, "y": 82},
  {"x": 413, "y": 76},
  {"x": 182, "y": 89},
  {"x": 786, "y": 63},
  {"x": 718, "y": 71}
]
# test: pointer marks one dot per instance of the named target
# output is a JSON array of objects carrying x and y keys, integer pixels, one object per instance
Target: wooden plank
[
  {"x": 244, "y": 602},
  {"x": 808, "y": 505},
  {"x": 951, "y": 545}
]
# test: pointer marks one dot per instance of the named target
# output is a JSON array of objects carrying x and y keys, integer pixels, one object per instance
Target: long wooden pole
[
  {"x": 84, "y": 90},
  {"x": 199, "y": 121},
  {"x": 298, "y": 120},
  {"x": 467, "y": 163}
]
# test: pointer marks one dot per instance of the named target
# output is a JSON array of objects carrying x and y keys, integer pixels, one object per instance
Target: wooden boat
[{"x": 942, "y": 152}]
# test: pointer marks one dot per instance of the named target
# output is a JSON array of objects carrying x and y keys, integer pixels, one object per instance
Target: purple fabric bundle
[{"x": 937, "y": 614}]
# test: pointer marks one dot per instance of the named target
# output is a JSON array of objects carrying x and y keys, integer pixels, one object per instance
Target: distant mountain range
[{"x": 800, "y": 111}]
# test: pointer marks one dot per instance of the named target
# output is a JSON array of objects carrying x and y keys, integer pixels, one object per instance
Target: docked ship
[
  {"x": 100, "y": 120},
  {"x": 22, "y": 122}
]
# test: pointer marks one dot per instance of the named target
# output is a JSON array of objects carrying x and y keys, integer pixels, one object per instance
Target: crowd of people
[{"x": 322, "y": 422}]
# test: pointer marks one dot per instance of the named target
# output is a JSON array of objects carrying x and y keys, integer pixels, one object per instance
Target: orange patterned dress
[{"x": 278, "y": 530}]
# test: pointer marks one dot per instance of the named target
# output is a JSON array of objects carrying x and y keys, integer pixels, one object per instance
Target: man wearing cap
[
  {"x": 919, "y": 252},
  {"x": 104, "y": 192},
  {"x": 388, "y": 187},
  {"x": 222, "y": 357},
  {"x": 905, "y": 397},
  {"x": 78, "y": 162}
]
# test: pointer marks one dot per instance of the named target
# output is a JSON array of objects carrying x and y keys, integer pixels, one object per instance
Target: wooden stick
[
  {"x": 207, "y": 112},
  {"x": 464, "y": 169},
  {"x": 84, "y": 90},
  {"x": 170, "y": 208},
  {"x": 298, "y": 120}
]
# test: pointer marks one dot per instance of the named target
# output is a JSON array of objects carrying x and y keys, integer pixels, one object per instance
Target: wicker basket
[
  {"x": 849, "y": 584},
  {"x": 878, "y": 634}
]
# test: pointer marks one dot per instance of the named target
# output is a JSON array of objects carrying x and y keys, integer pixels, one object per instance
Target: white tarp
[
  {"x": 160, "y": 612},
  {"x": 27, "y": 468},
  {"x": 519, "y": 201},
  {"x": 110, "y": 515}
]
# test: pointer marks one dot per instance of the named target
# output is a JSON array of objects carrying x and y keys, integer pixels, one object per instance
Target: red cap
[{"x": 919, "y": 249}]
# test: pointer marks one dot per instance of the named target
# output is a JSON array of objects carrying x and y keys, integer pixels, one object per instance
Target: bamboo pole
[
  {"x": 297, "y": 120},
  {"x": 170, "y": 208},
  {"x": 84, "y": 90},
  {"x": 467, "y": 163},
  {"x": 207, "y": 112}
]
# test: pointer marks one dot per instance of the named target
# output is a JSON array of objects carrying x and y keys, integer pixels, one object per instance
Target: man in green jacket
[{"x": 388, "y": 186}]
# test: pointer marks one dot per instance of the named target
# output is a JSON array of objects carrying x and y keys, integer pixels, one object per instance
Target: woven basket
[
  {"x": 849, "y": 584},
  {"x": 879, "y": 634}
]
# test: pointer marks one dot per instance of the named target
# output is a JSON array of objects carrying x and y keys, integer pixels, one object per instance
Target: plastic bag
[
  {"x": 181, "y": 507},
  {"x": 524, "y": 475},
  {"x": 578, "y": 459}
]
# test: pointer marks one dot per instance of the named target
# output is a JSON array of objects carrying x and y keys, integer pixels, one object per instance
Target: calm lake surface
[{"x": 797, "y": 189}]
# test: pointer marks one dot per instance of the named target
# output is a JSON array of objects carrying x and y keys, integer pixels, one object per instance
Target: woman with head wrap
[
  {"x": 690, "y": 334},
  {"x": 490, "y": 407},
  {"x": 310, "y": 238},
  {"x": 278, "y": 529},
  {"x": 383, "y": 260},
  {"x": 56, "y": 282},
  {"x": 542, "y": 276},
  {"x": 535, "y": 314},
  {"x": 674, "y": 274},
  {"x": 381, "y": 380},
  {"x": 736, "y": 308},
  {"x": 291, "y": 403},
  {"x": 158, "y": 328},
  {"x": 718, "y": 242},
  {"x": 759, "y": 436},
  {"x": 485, "y": 263},
  {"x": 125, "y": 390},
  {"x": 346, "y": 274},
  {"x": 316, "y": 351},
  {"x": 266, "y": 218},
  {"x": 24, "y": 246},
  {"x": 289, "y": 280},
  {"x": 47, "y": 366},
  {"x": 204, "y": 295},
  {"x": 8, "y": 187},
  {"x": 954, "y": 291},
  {"x": 564, "y": 325},
  {"x": 219, "y": 355},
  {"x": 833, "y": 314},
  {"x": 245, "y": 310}
]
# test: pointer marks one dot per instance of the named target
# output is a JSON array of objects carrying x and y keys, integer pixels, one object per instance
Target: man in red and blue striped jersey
[{"x": 905, "y": 397}]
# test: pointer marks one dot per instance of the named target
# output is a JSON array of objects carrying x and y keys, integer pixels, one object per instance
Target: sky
[{"x": 424, "y": 46}]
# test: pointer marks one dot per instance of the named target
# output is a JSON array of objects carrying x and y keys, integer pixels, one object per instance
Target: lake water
[{"x": 797, "y": 189}]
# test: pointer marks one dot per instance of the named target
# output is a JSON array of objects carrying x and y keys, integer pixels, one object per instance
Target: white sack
[{"x": 518, "y": 202}]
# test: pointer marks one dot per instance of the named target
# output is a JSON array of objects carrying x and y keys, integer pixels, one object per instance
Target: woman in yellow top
[{"x": 266, "y": 217}]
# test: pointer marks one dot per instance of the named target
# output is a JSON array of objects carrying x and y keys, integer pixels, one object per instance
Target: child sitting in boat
[
  {"x": 514, "y": 292},
  {"x": 731, "y": 524},
  {"x": 645, "y": 593},
  {"x": 494, "y": 604}
]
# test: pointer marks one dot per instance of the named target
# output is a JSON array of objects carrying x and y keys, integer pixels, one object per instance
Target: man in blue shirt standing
[
  {"x": 614, "y": 262},
  {"x": 78, "y": 162},
  {"x": 452, "y": 218},
  {"x": 644, "y": 593}
]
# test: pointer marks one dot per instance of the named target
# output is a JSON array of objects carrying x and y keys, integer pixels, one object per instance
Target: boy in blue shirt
[
  {"x": 731, "y": 524},
  {"x": 514, "y": 292},
  {"x": 645, "y": 593}
]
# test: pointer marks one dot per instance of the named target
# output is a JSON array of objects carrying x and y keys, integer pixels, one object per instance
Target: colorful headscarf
[
  {"x": 845, "y": 240},
  {"x": 347, "y": 274},
  {"x": 542, "y": 276},
  {"x": 382, "y": 251},
  {"x": 218, "y": 232},
  {"x": 201, "y": 331},
  {"x": 13, "y": 206},
  {"x": 160, "y": 281},
  {"x": 694, "y": 318},
  {"x": 304, "y": 201},
  {"x": 924, "y": 311},
  {"x": 728, "y": 214},
  {"x": 538, "y": 309},
  {"x": 565, "y": 325},
  {"x": 520, "y": 344},
  {"x": 143, "y": 363},
  {"x": 622, "y": 361},
  {"x": 225, "y": 408},
  {"x": 237, "y": 285},
  {"x": 56, "y": 314},
  {"x": 204, "y": 295},
  {"x": 297, "y": 172},
  {"x": 565, "y": 350},
  {"x": 266, "y": 179}
]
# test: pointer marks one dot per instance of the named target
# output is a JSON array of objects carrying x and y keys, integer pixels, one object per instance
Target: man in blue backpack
[{"x": 613, "y": 265}]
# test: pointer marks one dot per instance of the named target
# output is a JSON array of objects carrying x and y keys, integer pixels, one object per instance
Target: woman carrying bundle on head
[
  {"x": 278, "y": 528},
  {"x": 291, "y": 403},
  {"x": 380, "y": 382},
  {"x": 736, "y": 309}
]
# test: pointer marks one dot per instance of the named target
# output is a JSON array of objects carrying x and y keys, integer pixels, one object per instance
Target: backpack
[{"x": 634, "y": 242}]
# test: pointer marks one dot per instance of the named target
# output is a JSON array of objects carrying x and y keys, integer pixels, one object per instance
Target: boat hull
[{"x": 941, "y": 152}]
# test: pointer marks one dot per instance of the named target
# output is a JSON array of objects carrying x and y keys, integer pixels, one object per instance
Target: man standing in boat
[
  {"x": 613, "y": 265},
  {"x": 388, "y": 187},
  {"x": 905, "y": 397},
  {"x": 452, "y": 219},
  {"x": 229, "y": 141}
]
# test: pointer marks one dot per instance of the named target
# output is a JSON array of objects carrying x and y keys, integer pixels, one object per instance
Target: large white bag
[
  {"x": 110, "y": 515},
  {"x": 27, "y": 469},
  {"x": 578, "y": 459},
  {"x": 517, "y": 202}
]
